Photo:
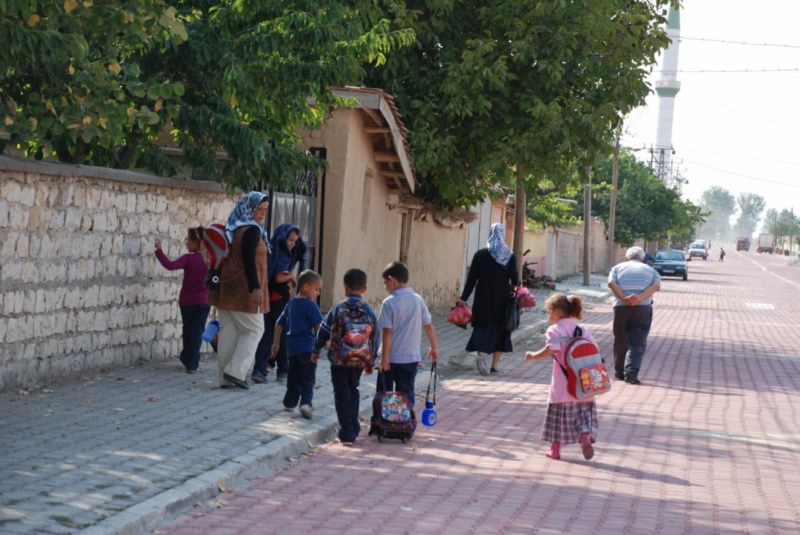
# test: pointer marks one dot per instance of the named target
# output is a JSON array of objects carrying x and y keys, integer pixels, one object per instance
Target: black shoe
[
  {"x": 619, "y": 376},
  {"x": 494, "y": 371},
  {"x": 238, "y": 382},
  {"x": 258, "y": 378},
  {"x": 633, "y": 381}
]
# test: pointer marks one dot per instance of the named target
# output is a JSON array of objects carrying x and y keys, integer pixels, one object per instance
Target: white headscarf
[
  {"x": 497, "y": 244},
  {"x": 242, "y": 215}
]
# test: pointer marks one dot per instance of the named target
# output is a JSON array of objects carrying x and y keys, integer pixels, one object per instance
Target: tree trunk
[
  {"x": 126, "y": 154},
  {"x": 612, "y": 211},
  {"x": 587, "y": 218},
  {"x": 519, "y": 219}
]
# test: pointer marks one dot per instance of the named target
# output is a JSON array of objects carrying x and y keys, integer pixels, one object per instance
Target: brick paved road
[{"x": 709, "y": 444}]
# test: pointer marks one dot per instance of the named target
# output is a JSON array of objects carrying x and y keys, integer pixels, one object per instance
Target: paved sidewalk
[{"x": 119, "y": 451}]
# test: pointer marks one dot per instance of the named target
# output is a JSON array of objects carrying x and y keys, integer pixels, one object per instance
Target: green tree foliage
[
  {"x": 212, "y": 77},
  {"x": 784, "y": 225},
  {"x": 750, "y": 208},
  {"x": 516, "y": 89},
  {"x": 646, "y": 207},
  {"x": 720, "y": 204},
  {"x": 70, "y": 82}
]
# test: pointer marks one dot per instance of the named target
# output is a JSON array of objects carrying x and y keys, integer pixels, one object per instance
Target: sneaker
[
  {"x": 288, "y": 409},
  {"x": 586, "y": 446},
  {"x": 633, "y": 381},
  {"x": 555, "y": 451},
  {"x": 619, "y": 376},
  {"x": 347, "y": 443},
  {"x": 306, "y": 411},
  {"x": 481, "y": 363},
  {"x": 259, "y": 378}
]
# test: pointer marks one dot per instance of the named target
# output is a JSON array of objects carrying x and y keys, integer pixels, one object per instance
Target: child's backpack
[
  {"x": 392, "y": 414},
  {"x": 352, "y": 343},
  {"x": 584, "y": 368},
  {"x": 215, "y": 251}
]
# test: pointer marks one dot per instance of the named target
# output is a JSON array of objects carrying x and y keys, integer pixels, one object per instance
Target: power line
[
  {"x": 730, "y": 71},
  {"x": 745, "y": 43},
  {"x": 758, "y": 179},
  {"x": 743, "y": 157}
]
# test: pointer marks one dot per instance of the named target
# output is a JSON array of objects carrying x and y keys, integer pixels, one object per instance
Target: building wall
[
  {"x": 436, "y": 262},
  {"x": 359, "y": 229},
  {"x": 80, "y": 288},
  {"x": 559, "y": 252}
]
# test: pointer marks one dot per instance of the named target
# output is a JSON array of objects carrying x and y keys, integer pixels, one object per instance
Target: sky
[{"x": 736, "y": 130}]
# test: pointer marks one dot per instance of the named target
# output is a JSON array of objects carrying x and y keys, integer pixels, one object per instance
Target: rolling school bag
[{"x": 392, "y": 414}]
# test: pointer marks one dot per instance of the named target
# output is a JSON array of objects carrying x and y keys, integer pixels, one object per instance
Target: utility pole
[{"x": 587, "y": 216}]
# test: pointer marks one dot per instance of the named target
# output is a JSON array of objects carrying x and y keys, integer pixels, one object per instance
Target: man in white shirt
[{"x": 633, "y": 283}]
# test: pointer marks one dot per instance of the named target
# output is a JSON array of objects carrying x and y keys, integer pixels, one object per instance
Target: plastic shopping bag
[{"x": 460, "y": 315}]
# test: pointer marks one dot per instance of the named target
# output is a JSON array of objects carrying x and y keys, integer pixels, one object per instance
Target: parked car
[
  {"x": 698, "y": 248},
  {"x": 671, "y": 263}
]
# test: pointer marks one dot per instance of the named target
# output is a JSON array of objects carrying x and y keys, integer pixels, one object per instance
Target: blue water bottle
[
  {"x": 429, "y": 414},
  {"x": 211, "y": 331}
]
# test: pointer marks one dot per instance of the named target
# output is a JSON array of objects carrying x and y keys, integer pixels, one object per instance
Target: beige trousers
[{"x": 239, "y": 334}]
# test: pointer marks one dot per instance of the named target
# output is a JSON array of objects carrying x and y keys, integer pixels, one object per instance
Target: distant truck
[
  {"x": 766, "y": 243},
  {"x": 743, "y": 243}
]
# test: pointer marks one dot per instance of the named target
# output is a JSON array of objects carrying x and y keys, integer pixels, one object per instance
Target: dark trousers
[
  {"x": 400, "y": 377},
  {"x": 346, "y": 399},
  {"x": 264, "y": 349},
  {"x": 194, "y": 323},
  {"x": 300, "y": 381},
  {"x": 631, "y": 327}
]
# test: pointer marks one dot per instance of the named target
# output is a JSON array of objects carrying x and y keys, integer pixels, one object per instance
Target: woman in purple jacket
[{"x": 193, "y": 298}]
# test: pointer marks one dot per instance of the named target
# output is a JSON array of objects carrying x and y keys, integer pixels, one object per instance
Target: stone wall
[{"x": 80, "y": 288}]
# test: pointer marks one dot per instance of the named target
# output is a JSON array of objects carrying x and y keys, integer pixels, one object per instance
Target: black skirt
[{"x": 489, "y": 338}]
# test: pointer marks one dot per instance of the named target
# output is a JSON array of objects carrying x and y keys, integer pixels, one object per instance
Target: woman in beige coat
[{"x": 242, "y": 297}]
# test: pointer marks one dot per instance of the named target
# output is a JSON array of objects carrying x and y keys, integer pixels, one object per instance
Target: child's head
[
  {"x": 309, "y": 283},
  {"x": 355, "y": 281},
  {"x": 564, "y": 306},
  {"x": 397, "y": 271},
  {"x": 395, "y": 276},
  {"x": 193, "y": 237}
]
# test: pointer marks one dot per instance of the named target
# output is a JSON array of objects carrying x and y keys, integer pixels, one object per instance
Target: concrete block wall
[{"x": 80, "y": 287}]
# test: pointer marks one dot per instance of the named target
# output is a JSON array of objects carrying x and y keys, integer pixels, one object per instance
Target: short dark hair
[
  {"x": 307, "y": 277},
  {"x": 396, "y": 270},
  {"x": 355, "y": 279}
]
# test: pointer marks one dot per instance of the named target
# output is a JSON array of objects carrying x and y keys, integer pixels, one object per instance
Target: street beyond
[{"x": 709, "y": 443}]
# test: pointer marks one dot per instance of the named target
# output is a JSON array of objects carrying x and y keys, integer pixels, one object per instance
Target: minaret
[{"x": 667, "y": 87}]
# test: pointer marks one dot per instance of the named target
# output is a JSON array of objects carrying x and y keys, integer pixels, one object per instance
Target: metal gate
[{"x": 302, "y": 206}]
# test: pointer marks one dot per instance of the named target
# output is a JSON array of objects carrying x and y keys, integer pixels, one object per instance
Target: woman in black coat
[{"x": 492, "y": 274}]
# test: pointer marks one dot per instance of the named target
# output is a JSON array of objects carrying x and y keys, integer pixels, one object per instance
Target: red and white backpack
[{"x": 583, "y": 367}]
